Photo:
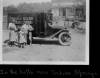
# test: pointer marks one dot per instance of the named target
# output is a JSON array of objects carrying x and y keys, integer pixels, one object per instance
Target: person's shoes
[
  {"x": 9, "y": 45},
  {"x": 22, "y": 46},
  {"x": 19, "y": 46}
]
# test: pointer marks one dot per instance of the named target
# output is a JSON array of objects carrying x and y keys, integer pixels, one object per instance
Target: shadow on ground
[
  {"x": 38, "y": 41},
  {"x": 45, "y": 42},
  {"x": 7, "y": 49}
]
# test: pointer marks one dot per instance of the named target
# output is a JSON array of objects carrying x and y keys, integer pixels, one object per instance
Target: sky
[{"x": 16, "y": 2}]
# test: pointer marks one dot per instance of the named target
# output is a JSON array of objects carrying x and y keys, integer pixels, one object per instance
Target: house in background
[{"x": 68, "y": 9}]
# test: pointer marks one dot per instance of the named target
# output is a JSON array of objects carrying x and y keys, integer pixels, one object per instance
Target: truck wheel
[{"x": 64, "y": 38}]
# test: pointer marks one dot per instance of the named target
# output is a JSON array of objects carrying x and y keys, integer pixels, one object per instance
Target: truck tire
[{"x": 64, "y": 38}]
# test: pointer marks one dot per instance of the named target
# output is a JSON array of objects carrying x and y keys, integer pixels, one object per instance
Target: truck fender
[{"x": 57, "y": 34}]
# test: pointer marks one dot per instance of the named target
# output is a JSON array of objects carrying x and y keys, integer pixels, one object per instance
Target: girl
[
  {"x": 25, "y": 30},
  {"x": 22, "y": 39}
]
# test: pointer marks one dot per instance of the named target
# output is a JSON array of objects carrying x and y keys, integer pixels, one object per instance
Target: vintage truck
[{"x": 41, "y": 24}]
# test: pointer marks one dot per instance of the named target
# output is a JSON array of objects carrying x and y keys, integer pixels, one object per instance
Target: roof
[
  {"x": 59, "y": 1},
  {"x": 66, "y": 3}
]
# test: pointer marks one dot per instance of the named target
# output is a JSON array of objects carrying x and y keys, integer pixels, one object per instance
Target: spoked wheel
[{"x": 64, "y": 38}]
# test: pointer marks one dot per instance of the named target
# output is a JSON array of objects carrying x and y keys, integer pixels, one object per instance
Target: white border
[
  {"x": 54, "y": 62},
  {"x": 87, "y": 31},
  {"x": 1, "y": 14}
]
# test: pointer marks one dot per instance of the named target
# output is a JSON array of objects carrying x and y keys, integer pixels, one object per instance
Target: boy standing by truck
[{"x": 30, "y": 29}]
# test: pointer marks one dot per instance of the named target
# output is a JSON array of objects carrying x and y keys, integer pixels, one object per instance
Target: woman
[{"x": 12, "y": 33}]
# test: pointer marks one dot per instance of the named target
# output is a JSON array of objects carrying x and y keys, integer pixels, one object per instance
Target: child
[
  {"x": 25, "y": 30},
  {"x": 22, "y": 39}
]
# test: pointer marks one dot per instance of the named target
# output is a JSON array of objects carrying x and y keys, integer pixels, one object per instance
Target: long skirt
[
  {"x": 12, "y": 35},
  {"x": 22, "y": 38}
]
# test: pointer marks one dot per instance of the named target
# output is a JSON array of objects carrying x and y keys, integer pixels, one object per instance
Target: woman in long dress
[{"x": 12, "y": 33}]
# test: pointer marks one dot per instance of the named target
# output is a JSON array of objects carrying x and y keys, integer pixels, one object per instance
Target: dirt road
[{"x": 42, "y": 50}]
